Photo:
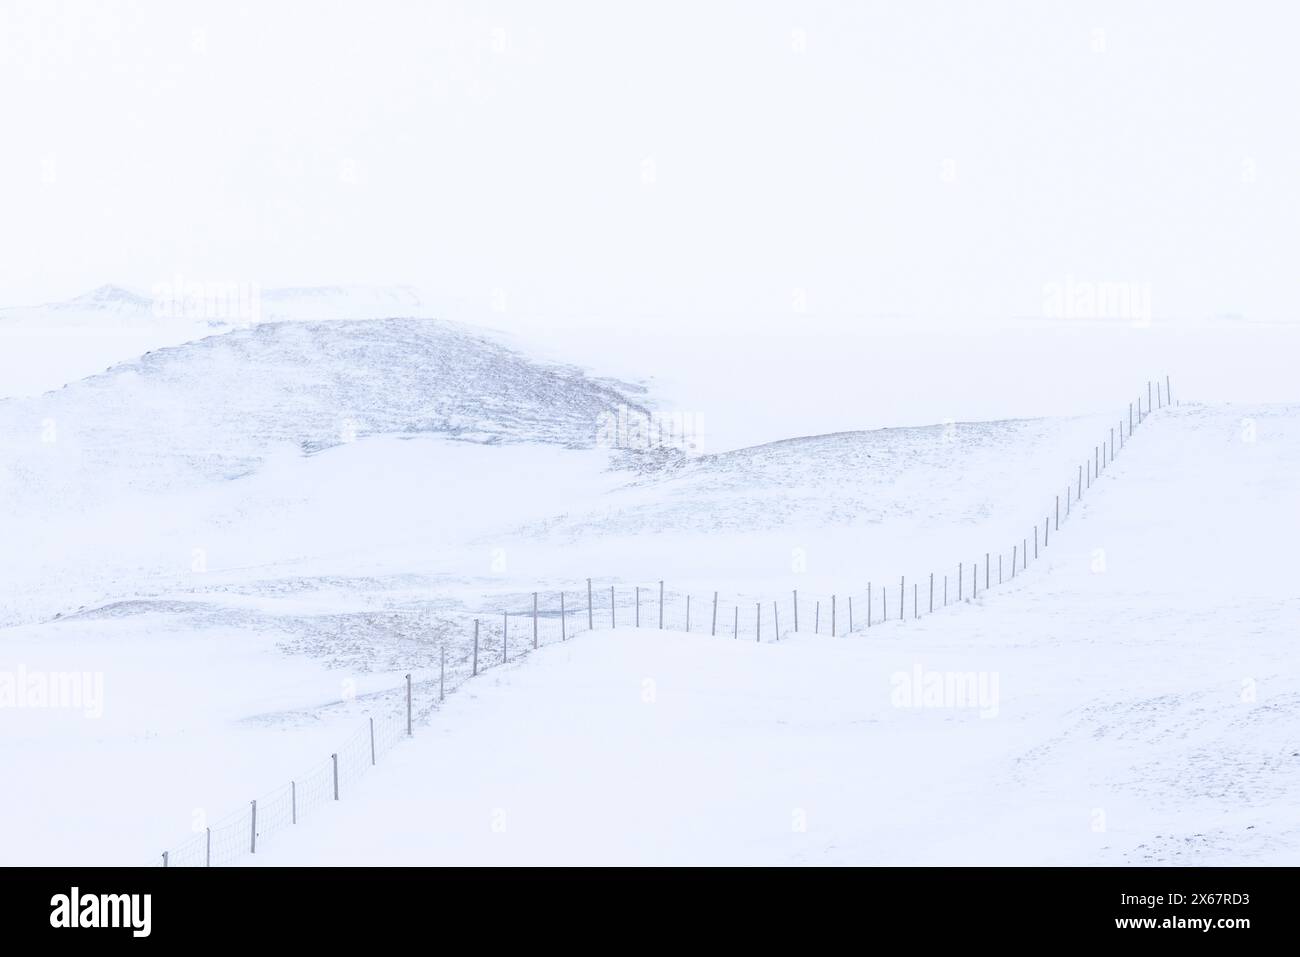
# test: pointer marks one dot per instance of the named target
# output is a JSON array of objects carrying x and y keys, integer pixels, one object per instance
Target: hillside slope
[{"x": 1133, "y": 700}]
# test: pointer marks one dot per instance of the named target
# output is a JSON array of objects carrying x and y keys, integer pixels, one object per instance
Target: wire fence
[{"x": 532, "y": 620}]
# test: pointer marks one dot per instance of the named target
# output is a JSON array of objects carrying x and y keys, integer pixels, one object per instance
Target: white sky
[{"x": 470, "y": 147}]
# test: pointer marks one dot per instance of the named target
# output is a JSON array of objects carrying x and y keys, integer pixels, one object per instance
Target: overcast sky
[{"x": 658, "y": 163}]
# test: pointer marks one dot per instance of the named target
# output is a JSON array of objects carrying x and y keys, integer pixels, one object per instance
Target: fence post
[
  {"x": 986, "y": 571},
  {"x": 758, "y": 621},
  {"x": 713, "y": 629},
  {"x": 1080, "y": 495},
  {"x": 207, "y": 848},
  {"x": 442, "y": 672},
  {"x": 563, "y": 626},
  {"x": 932, "y": 593},
  {"x": 945, "y": 591},
  {"x": 961, "y": 587},
  {"x": 1169, "y": 396},
  {"x": 999, "y": 568},
  {"x": 1013, "y": 561},
  {"x": 613, "y": 620},
  {"x": 735, "y": 628},
  {"x": 902, "y": 598},
  {"x": 164, "y": 858},
  {"x": 817, "y": 617},
  {"x": 688, "y": 613},
  {"x": 1035, "y": 543},
  {"x": 796, "y": 611},
  {"x": 916, "y": 589},
  {"x": 590, "y": 621},
  {"x": 1149, "y": 406},
  {"x": 372, "y": 742},
  {"x": 776, "y": 621},
  {"x": 850, "y": 631},
  {"x": 832, "y": 616},
  {"x": 252, "y": 830},
  {"x": 335, "y": 759},
  {"x": 637, "y": 617},
  {"x": 661, "y": 605},
  {"x": 1058, "y": 516},
  {"x": 475, "y": 646},
  {"x": 1024, "y": 554},
  {"x": 534, "y": 621},
  {"x": 293, "y": 802},
  {"x": 1047, "y": 529},
  {"x": 408, "y": 705},
  {"x": 974, "y": 581}
]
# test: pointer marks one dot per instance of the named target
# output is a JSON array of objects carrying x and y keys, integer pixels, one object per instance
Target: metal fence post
[
  {"x": 335, "y": 759},
  {"x": 661, "y": 604},
  {"x": 372, "y": 742},
  {"x": 735, "y": 628},
  {"x": 932, "y": 593},
  {"x": 714, "y": 629},
  {"x": 252, "y": 830},
  {"x": 758, "y": 621},
  {"x": 850, "y": 615},
  {"x": 776, "y": 621},
  {"x": 207, "y": 848},
  {"x": 563, "y": 626},
  {"x": 902, "y": 598}
]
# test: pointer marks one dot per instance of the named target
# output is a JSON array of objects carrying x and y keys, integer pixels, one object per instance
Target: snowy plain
[{"x": 254, "y": 534}]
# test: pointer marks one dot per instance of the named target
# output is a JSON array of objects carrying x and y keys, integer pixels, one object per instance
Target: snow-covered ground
[{"x": 1132, "y": 700}]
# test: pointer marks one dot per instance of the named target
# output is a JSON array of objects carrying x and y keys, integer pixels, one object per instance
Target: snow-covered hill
[
  {"x": 48, "y": 345},
  {"x": 1131, "y": 699}
]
